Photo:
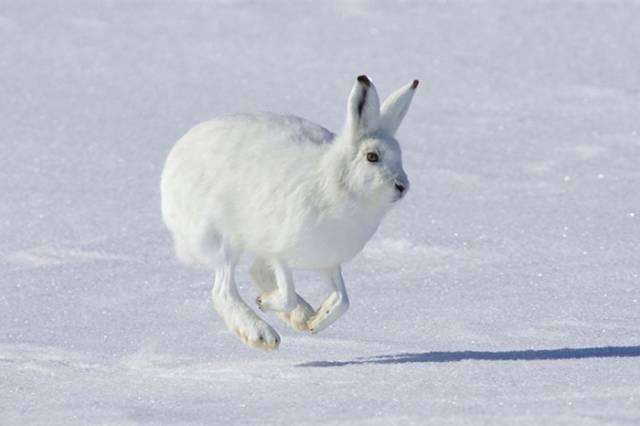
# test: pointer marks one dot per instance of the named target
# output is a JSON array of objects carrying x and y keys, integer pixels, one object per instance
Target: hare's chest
[{"x": 330, "y": 242}]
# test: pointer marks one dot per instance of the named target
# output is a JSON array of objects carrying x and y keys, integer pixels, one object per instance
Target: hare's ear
[
  {"x": 395, "y": 107},
  {"x": 363, "y": 111}
]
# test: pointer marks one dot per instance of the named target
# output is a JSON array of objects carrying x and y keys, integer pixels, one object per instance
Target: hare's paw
[
  {"x": 252, "y": 330},
  {"x": 333, "y": 307},
  {"x": 259, "y": 336},
  {"x": 276, "y": 301},
  {"x": 299, "y": 316}
]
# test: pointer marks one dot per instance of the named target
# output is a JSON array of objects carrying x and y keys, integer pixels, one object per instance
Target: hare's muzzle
[{"x": 401, "y": 187}]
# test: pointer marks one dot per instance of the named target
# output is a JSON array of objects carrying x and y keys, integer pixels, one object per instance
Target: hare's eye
[{"x": 372, "y": 157}]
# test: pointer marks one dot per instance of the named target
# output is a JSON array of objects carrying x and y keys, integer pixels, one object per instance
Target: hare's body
[
  {"x": 239, "y": 179},
  {"x": 289, "y": 192}
]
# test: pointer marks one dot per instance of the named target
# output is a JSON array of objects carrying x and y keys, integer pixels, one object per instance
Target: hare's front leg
[
  {"x": 239, "y": 318},
  {"x": 264, "y": 278},
  {"x": 334, "y": 306},
  {"x": 283, "y": 297}
]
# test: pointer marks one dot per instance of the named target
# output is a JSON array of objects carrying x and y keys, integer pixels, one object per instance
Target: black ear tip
[
  {"x": 364, "y": 80},
  {"x": 415, "y": 83}
]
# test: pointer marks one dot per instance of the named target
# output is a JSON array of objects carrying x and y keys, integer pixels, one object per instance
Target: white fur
[{"x": 288, "y": 191}]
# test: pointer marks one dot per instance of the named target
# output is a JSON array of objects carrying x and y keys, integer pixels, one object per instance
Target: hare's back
[
  {"x": 247, "y": 141},
  {"x": 250, "y": 146},
  {"x": 263, "y": 131}
]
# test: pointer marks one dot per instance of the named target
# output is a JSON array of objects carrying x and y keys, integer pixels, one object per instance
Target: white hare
[{"x": 291, "y": 193}]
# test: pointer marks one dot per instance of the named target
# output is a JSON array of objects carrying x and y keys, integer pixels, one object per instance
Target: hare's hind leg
[
  {"x": 264, "y": 276},
  {"x": 334, "y": 306},
  {"x": 236, "y": 314}
]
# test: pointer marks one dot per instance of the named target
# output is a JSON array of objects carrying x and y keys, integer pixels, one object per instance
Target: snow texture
[{"x": 504, "y": 289}]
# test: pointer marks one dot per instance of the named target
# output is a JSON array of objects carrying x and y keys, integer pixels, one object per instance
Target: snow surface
[{"x": 503, "y": 290}]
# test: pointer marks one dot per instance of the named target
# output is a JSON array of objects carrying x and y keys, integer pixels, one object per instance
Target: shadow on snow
[{"x": 526, "y": 355}]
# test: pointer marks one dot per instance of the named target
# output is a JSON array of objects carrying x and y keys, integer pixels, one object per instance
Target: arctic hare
[{"x": 291, "y": 193}]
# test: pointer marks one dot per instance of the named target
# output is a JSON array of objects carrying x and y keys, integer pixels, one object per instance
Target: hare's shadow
[{"x": 522, "y": 355}]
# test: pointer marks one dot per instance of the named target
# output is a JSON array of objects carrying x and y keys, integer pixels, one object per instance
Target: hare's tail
[{"x": 205, "y": 251}]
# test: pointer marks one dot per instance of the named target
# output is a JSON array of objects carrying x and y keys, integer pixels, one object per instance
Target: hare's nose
[{"x": 400, "y": 188}]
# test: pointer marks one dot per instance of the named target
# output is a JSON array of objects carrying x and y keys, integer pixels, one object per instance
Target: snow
[{"x": 502, "y": 290}]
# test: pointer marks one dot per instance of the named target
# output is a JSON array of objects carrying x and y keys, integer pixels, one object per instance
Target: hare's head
[{"x": 373, "y": 154}]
